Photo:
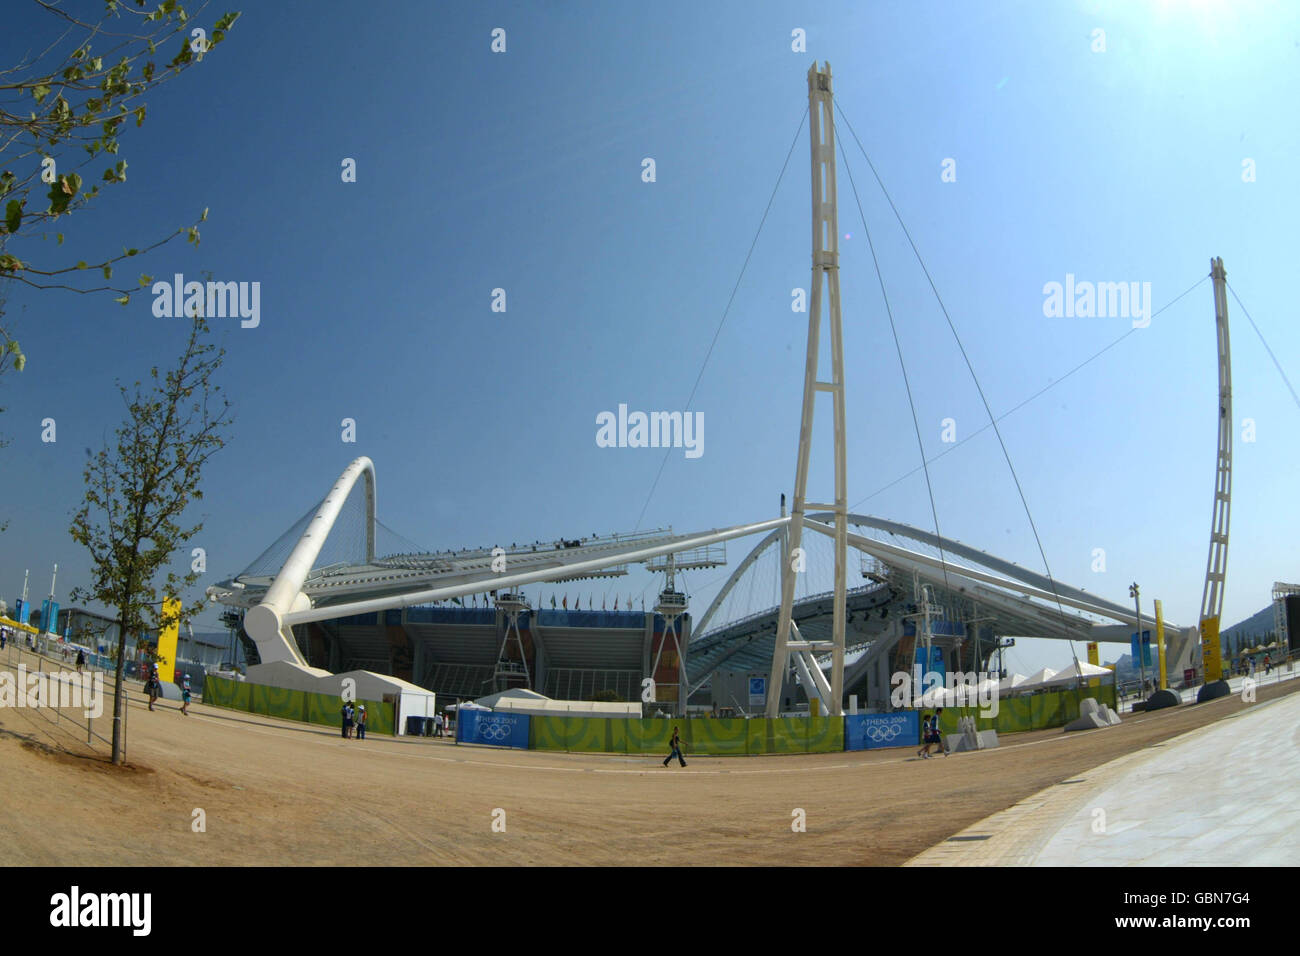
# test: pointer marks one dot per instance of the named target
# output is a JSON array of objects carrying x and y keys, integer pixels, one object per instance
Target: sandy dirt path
[{"x": 281, "y": 793}]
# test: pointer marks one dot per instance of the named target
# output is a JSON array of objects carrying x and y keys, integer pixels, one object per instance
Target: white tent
[
  {"x": 988, "y": 689},
  {"x": 1077, "y": 670},
  {"x": 936, "y": 696},
  {"x": 1010, "y": 682},
  {"x": 1035, "y": 681}
]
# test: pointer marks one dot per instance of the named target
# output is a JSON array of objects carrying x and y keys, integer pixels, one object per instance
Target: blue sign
[
  {"x": 757, "y": 691},
  {"x": 1146, "y": 648},
  {"x": 496, "y": 730},
  {"x": 21, "y": 611},
  {"x": 934, "y": 671},
  {"x": 49, "y": 615},
  {"x": 874, "y": 731}
]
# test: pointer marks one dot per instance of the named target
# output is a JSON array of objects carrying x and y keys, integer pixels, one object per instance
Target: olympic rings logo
[
  {"x": 882, "y": 732},
  {"x": 493, "y": 730}
]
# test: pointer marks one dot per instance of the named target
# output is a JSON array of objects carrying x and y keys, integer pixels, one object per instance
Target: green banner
[
  {"x": 285, "y": 704},
  {"x": 1053, "y": 708},
  {"x": 725, "y": 736}
]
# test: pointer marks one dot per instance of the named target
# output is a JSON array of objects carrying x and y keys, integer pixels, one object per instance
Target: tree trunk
[{"x": 119, "y": 697}]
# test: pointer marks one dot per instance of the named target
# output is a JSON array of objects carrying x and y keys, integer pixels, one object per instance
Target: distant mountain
[{"x": 1258, "y": 624}]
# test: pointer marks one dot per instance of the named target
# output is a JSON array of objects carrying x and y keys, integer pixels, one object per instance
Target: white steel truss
[
  {"x": 825, "y": 272},
  {"x": 1216, "y": 568}
]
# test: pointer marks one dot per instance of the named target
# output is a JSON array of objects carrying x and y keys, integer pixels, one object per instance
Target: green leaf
[
  {"x": 13, "y": 215},
  {"x": 60, "y": 235},
  {"x": 145, "y": 280},
  {"x": 108, "y": 271},
  {"x": 122, "y": 300},
  {"x": 81, "y": 264},
  {"x": 132, "y": 252},
  {"x": 40, "y": 91}
]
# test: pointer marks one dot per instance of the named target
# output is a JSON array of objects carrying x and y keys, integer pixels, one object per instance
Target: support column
[
  {"x": 1216, "y": 568},
  {"x": 825, "y": 273}
]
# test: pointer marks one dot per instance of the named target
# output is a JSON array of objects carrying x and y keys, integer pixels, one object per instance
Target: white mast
[
  {"x": 825, "y": 270},
  {"x": 1216, "y": 568}
]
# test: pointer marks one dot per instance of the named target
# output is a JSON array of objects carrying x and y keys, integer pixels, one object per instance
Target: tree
[
  {"x": 132, "y": 519},
  {"x": 84, "y": 86}
]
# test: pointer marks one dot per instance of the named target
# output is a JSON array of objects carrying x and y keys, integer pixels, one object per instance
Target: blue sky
[{"x": 522, "y": 170}]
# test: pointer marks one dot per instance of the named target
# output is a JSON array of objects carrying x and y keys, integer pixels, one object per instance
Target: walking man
[
  {"x": 185, "y": 696},
  {"x": 931, "y": 735},
  {"x": 347, "y": 720},
  {"x": 152, "y": 685},
  {"x": 361, "y": 723},
  {"x": 676, "y": 745},
  {"x": 437, "y": 725}
]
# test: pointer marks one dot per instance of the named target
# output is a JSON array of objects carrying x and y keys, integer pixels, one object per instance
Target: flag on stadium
[
  {"x": 566, "y": 602},
  {"x": 552, "y": 601}
]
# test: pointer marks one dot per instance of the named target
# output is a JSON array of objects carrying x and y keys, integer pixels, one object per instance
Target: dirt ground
[{"x": 281, "y": 793}]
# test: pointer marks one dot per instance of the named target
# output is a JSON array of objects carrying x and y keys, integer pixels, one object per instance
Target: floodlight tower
[
  {"x": 512, "y": 604},
  {"x": 925, "y": 610},
  {"x": 670, "y": 606},
  {"x": 825, "y": 271},
  {"x": 1216, "y": 568}
]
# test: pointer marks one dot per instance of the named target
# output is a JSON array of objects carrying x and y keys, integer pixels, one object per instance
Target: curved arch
[
  {"x": 1016, "y": 581},
  {"x": 982, "y": 557},
  {"x": 264, "y": 622},
  {"x": 736, "y": 575}
]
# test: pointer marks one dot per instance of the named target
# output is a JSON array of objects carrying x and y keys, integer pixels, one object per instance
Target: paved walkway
[{"x": 1223, "y": 795}]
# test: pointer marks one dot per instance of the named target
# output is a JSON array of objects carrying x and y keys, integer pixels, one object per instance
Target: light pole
[{"x": 1135, "y": 594}]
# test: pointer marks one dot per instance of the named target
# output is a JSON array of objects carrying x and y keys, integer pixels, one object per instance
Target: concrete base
[
  {"x": 970, "y": 741},
  {"x": 1162, "y": 699},
  {"x": 1091, "y": 721},
  {"x": 1112, "y": 718},
  {"x": 1213, "y": 691}
]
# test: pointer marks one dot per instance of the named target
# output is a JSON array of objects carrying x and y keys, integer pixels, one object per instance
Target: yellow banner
[
  {"x": 167, "y": 640},
  {"x": 1210, "y": 649},
  {"x": 1094, "y": 659},
  {"x": 1160, "y": 647}
]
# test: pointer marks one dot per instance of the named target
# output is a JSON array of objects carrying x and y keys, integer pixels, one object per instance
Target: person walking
[
  {"x": 347, "y": 720},
  {"x": 81, "y": 659},
  {"x": 361, "y": 723},
  {"x": 676, "y": 744},
  {"x": 152, "y": 686},
  {"x": 931, "y": 735},
  {"x": 185, "y": 696},
  {"x": 437, "y": 725}
]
